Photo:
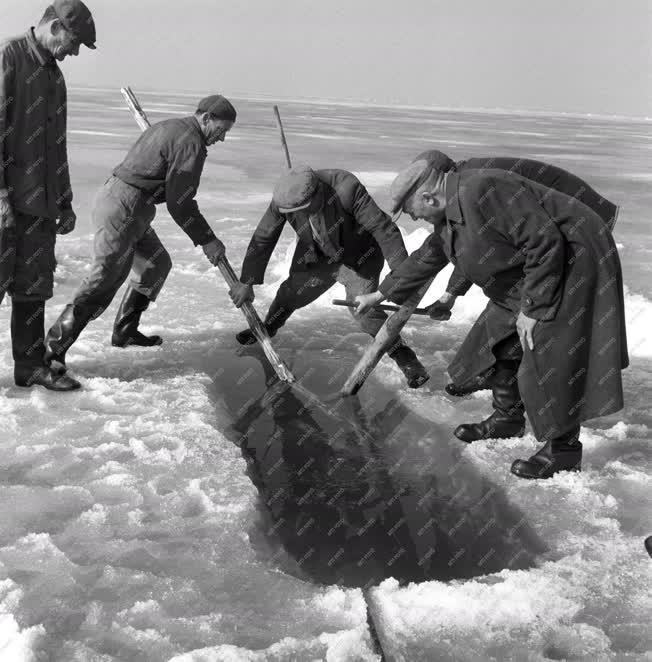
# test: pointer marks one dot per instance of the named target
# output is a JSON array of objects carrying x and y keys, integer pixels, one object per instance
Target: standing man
[
  {"x": 164, "y": 166},
  {"x": 552, "y": 263},
  {"x": 35, "y": 193},
  {"x": 343, "y": 237}
]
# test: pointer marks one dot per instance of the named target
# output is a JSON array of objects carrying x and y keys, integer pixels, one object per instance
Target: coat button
[{"x": 528, "y": 301}]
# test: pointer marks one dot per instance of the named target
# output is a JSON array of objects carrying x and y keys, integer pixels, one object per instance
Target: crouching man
[
  {"x": 164, "y": 166},
  {"x": 342, "y": 237},
  {"x": 549, "y": 260}
]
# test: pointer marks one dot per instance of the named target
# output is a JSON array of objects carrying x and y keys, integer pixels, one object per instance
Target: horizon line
[{"x": 373, "y": 104}]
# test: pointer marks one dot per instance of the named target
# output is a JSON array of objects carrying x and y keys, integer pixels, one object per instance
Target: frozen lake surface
[{"x": 184, "y": 507}]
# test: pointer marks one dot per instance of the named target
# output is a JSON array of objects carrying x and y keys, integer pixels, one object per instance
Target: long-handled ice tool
[
  {"x": 381, "y": 343},
  {"x": 226, "y": 269}
]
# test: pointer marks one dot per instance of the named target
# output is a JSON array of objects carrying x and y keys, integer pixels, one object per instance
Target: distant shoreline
[{"x": 370, "y": 104}]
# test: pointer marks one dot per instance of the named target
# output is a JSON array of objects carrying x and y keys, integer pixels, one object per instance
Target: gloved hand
[
  {"x": 241, "y": 292},
  {"x": 67, "y": 220},
  {"x": 214, "y": 251},
  {"x": 441, "y": 309}
]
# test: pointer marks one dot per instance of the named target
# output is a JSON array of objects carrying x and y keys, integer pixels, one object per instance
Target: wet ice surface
[{"x": 137, "y": 522}]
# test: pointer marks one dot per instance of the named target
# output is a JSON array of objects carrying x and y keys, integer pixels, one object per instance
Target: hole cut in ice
[{"x": 354, "y": 491}]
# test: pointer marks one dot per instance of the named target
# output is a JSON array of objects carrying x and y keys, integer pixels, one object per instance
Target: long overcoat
[{"x": 533, "y": 249}]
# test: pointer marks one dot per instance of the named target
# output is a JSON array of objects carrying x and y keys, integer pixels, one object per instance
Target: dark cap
[
  {"x": 76, "y": 18},
  {"x": 295, "y": 189},
  {"x": 218, "y": 106},
  {"x": 438, "y": 160}
]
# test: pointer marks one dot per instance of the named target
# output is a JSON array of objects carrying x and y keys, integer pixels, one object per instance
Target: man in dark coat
[
  {"x": 551, "y": 262},
  {"x": 342, "y": 237},
  {"x": 480, "y": 372},
  {"x": 35, "y": 193},
  {"x": 163, "y": 166}
]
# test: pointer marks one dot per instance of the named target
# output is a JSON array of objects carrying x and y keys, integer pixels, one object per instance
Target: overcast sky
[{"x": 561, "y": 55}]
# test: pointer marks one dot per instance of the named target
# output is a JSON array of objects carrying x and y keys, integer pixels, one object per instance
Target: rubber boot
[
  {"x": 125, "y": 327},
  {"x": 508, "y": 418},
  {"x": 64, "y": 332},
  {"x": 276, "y": 318},
  {"x": 412, "y": 368},
  {"x": 27, "y": 332},
  {"x": 561, "y": 454}
]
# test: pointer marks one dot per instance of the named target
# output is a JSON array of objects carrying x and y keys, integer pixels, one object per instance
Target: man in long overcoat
[
  {"x": 476, "y": 366},
  {"x": 552, "y": 263},
  {"x": 35, "y": 192},
  {"x": 343, "y": 236}
]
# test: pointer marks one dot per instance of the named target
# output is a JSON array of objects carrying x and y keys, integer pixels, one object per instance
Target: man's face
[
  {"x": 63, "y": 42},
  {"x": 426, "y": 206},
  {"x": 215, "y": 130}
]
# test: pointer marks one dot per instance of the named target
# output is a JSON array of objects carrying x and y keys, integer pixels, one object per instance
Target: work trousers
[
  {"x": 303, "y": 287},
  {"x": 124, "y": 242}
]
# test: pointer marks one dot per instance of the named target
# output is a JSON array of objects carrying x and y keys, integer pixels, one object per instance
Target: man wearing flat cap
[
  {"x": 164, "y": 166},
  {"x": 35, "y": 193},
  {"x": 342, "y": 237},
  {"x": 476, "y": 367},
  {"x": 548, "y": 260}
]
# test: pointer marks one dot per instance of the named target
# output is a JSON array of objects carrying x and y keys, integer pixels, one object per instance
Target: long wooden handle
[
  {"x": 381, "y": 306},
  {"x": 283, "y": 140},
  {"x": 384, "y": 339},
  {"x": 255, "y": 324}
]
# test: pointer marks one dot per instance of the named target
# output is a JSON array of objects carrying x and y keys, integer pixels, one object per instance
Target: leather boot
[
  {"x": 412, "y": 368},
  {"x": 27, "y": 331},
  {"x": 276, "y": 318},
  {"x": 64, "y": 332},
  {"x": 561, "y": 454},
  {"x": 508, "y": 418},
  {"x": 125, "y": 327}
]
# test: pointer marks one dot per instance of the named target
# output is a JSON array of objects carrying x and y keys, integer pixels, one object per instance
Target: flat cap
[
  {"x": 407, "y": 181},
  {"x": 76, "y": 18},
  {"x": 295, "y": 189},
  {"x": 218, "y": 106},
  {"x": 438, "y": 160}
]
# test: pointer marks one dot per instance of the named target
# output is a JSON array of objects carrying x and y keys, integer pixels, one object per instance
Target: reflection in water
[{"x": 361, "y": 489}]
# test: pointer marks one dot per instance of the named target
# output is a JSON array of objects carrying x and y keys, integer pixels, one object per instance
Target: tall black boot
[
  {"x": 27, "y": 340},
  {"x": 508, "y": 418},
  {"x": 125, "y": 328},
  {"x": 276, "y": 317},
  {"x": 561, "y": 454},
  {"x": 64, "y": 332},
  {"x": 407, "y": 361}
]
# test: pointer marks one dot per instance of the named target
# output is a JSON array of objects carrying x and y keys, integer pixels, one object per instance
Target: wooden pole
[
  {"x": 384, "y": 339},
  {"x": 381, "y": 306},
  {"x": 255, "y": 324},
  {"x": 283, "y": 140}
]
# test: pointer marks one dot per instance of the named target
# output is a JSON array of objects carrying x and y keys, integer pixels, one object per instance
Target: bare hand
[
  {"x": 524, "y": 327},
  {"x": 67, "y": 220},
  {"x": 214, "y": 251},
  {"x": 6, "y": 213},
  {"x": 240, "y": 293},
  {"x": 441, "y": 309},
  {"x": 367, "y": 301}
]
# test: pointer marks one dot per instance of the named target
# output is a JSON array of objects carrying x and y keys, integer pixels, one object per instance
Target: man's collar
[
  {"x": 43, "y": 56},
  {"x": 453, "y": 210},
  {"x": 197, "y": 125}
]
